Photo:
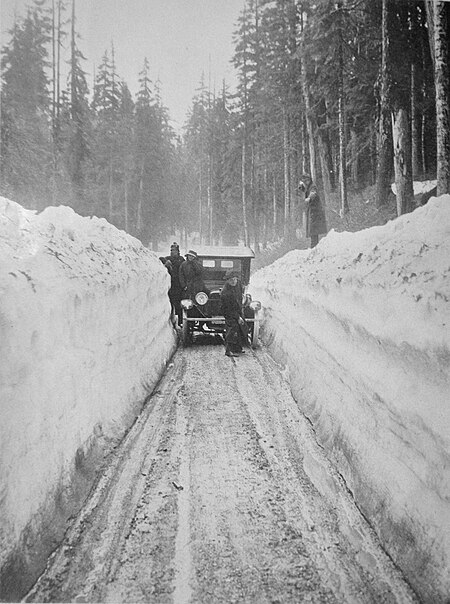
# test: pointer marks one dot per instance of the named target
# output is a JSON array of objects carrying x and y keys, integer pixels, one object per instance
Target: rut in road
[{"x": 220, "y": 493}]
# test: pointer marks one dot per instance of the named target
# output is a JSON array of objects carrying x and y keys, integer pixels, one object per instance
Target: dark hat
[
  {"x": 301, "y": 184},
  {"x": 192, "y": 253},
  {"x": 306, "y": 176},
  {"x": 232, "y": 273},
  {"x": 175, "y": 246}
]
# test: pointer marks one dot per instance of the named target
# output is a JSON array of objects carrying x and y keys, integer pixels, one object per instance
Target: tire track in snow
[
  {"x": 238, "y": 503},
  {"x": 87, "y": 559},
  {"x": 183, "y": 558}
]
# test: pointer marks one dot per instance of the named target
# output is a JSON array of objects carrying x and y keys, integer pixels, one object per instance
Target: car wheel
[
  {"x": 186, "y": 335},
  {"x": 255, "y": 332}
]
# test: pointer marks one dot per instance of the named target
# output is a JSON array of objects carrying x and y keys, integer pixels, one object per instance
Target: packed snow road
[{"x": 220, "y": 493}]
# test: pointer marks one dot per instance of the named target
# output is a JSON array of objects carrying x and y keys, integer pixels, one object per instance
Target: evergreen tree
[
  {"x": 439, "y": 30},
  {"x": 126, "y": 139},
  {"x": 145, "y": 124},
  {"x": 164, "y": 216},
  {"x": 26, "y": 157},
  {"x": 156, "y": 175},
  {"x": 197, "y": 143},
  {"x": 58, "y": 35},
  {"x": 80, "y": 126},
  {"x": 225, "y": 147},
  {"x": 106, "y": 157}
]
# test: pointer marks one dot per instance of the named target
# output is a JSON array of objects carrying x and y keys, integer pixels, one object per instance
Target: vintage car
[{"x": 204, "y": 314}]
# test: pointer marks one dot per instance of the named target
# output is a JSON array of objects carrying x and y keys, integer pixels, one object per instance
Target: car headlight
[
  {"x": 201, "y": 298},
  {"x": 255, "y": 305},
  {"x": 187, "y": 304}
]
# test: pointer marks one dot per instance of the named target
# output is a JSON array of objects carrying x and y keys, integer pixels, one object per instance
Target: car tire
[
  {"x": 186, "y": 336},
  {"x": 255, "y": 332}
]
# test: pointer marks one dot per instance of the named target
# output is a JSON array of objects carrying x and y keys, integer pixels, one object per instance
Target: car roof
[{"x": 212, "y": 251}]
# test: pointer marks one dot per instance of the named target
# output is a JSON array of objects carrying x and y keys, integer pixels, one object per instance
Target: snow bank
[
  {"x": 84, "y": 335},
  {"x": 419, "y": 186},
  {"x": 363, "y": 325}
]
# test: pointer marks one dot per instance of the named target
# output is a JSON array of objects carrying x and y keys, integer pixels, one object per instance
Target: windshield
[{"x": 216, "y": 268}]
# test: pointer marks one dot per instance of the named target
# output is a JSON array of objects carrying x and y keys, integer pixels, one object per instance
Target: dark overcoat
[
  {"x": 231, "y": 301},
  {"x": 191, "y": 278},
  {"x": 175, "y": 291},
  {"x": 316, "y": 223}
]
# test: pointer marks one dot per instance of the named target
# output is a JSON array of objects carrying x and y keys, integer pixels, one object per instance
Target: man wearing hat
[
  {"x": 231, "y": 299},
  {"x": 316, "y": 223},
  {"x": 176, "y": 291},
  {"x": 191, "y": 275}
]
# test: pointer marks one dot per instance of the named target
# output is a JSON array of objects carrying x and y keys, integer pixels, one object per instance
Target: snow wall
[
  {"x": 84, "y": 337},
  {"x": 362, "y": 323}
]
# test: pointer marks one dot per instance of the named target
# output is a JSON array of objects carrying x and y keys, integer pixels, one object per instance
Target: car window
[
  {"x": 226, "y": 264},
  {"x": 209, "y": 263}
]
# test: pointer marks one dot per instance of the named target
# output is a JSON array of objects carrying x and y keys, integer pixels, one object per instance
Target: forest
[{"x": 354, "y": 92}]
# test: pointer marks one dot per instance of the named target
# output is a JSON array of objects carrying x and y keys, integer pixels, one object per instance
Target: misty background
[{"x": 196, "y": 120}]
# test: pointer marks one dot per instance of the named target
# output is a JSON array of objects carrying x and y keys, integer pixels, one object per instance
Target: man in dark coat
[
  {"x": 231, "y": 299},
  {"x": 191, "y": 276},
  {"x": 316, "y": 223},
  {"x": 166, "y": 263},
  {"x": 174, "y": 261}
]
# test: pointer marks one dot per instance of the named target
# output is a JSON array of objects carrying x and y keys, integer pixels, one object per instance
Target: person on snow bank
[
  {"x": 236, "y": 335},
  {"x": 316, "y": 223},
  {"x": 175, "y": 260}
]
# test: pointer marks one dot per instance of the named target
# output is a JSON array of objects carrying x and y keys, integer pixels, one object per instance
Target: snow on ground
[
  {"x": 84, "y": 336},
  {"x": 362, "y": 323},
  {"x": 419, "y": 186}
]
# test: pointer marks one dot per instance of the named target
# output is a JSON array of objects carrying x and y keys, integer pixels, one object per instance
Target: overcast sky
[{"x": 180, "y": 38}]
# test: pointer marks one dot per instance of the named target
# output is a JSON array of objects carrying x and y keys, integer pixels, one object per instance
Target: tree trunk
[
  {"x": 293, "y": 167},
  {"x": 354, "y": 162},
  {"x": 442, "y": 86},
  {"x": 254, "y": 209},
  {"x": 264, "y": 232},
  {"x": 53, "y": 68},
  {"x": 335, "y": 161},
  {"x": 274, "y": 206},
  {"x": 332, "y": 168},
  {"x": 200, "y": 200},
  {"x": 310, "y": 130},
  {"x": 244, "y": 189},
  {"x": 415, "y": 138},
  {"x": 139, "y": 208},
  {"x": 342, "y": 133},
  {"x": 322, "y": 148},
  {"x": 244, "y": 144},
  {"x": 423, "y": 116},
  {"x": 429, "y": 7},
  {"x": 309, "y": 124},
  {"x": 110, "y": 189},
  {"x": 287, "y": 192},
  {"x": 402, "y": 162},
  {"x": 266, "y": 209},
  {"x": 342, "y": 160},
  {"x": 77, "y": 176},
  {"x": 54, "y": 120},
  {"x": 126, "y": 204},
  {"x": 303, "y": 139},
  {"x": 422, "y": 143},
  {"x": 384, "y": 164},
  {"x": 209, "y": 196},
  {"x": 58, "y": 65},
  {"x": 256, "y": 230}
]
